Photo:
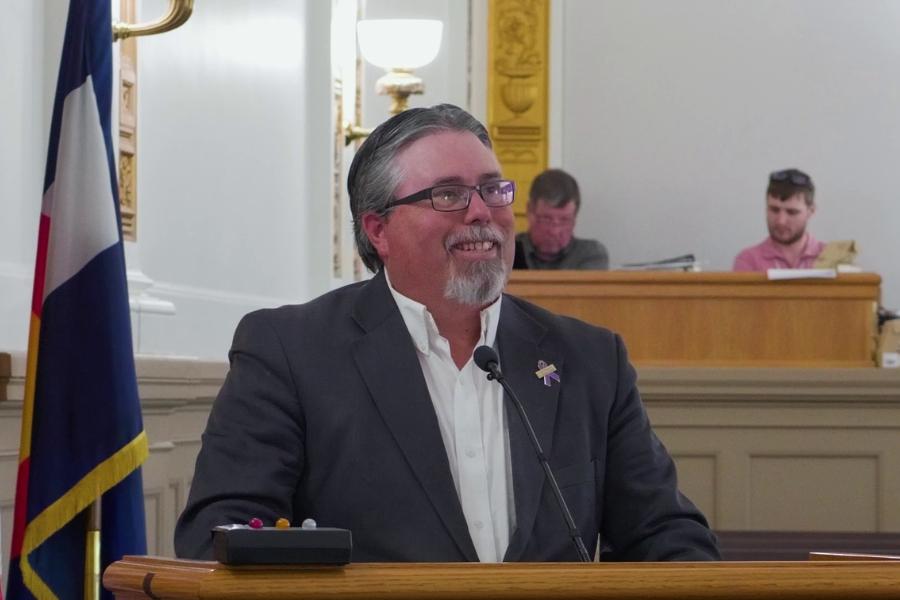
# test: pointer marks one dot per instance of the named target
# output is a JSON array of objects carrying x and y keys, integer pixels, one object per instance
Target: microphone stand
[{"x": 495, "y": 374}]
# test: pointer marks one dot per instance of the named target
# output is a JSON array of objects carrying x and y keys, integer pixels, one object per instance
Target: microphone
[{"x": 487, "y": 360}]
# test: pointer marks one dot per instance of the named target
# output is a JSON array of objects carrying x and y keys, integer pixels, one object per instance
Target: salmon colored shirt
[{"x": 768, "y": 255}]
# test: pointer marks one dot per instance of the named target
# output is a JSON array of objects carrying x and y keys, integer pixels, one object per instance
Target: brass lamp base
[{"x": 399, "y": 84}]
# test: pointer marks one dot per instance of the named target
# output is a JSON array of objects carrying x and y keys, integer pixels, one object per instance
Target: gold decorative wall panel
[
  {"x": 128, "y": 126},
  {"x": 518, "y": 90}
]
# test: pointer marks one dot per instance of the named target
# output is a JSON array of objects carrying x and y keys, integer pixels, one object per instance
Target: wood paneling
[
  {"x": 794, "y": 449},
  {"x": 719, "y": 319},
  {"x": 786, "y": 491},
  {"x": 176, "y": 397}
]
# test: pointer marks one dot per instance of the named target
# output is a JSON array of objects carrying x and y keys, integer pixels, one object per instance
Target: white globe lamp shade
[{"x": 404, "y": 44}]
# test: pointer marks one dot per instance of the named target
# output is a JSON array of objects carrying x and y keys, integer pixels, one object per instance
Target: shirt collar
[{"x": 422, "y": 328}]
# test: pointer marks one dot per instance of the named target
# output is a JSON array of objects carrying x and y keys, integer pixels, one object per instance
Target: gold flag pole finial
[{"x": 179, "y": 13}]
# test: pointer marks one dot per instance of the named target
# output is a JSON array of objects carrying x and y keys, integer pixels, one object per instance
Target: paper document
[
  {"x": 685, "y": 262},
  {"x": 776, "y": 274},
  {"x": 849, "y": 269}
]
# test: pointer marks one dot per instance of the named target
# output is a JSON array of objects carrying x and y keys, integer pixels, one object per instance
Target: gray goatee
[{"x": 480, "y": 282}]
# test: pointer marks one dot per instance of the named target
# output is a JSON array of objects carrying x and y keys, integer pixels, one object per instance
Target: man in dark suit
[{"x": 363, "y": 409}]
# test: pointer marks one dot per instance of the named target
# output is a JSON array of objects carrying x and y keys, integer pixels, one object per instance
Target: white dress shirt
[{"x": 472, "y": 420}]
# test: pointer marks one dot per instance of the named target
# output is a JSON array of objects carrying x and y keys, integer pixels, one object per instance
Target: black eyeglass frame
[{"x": 428, "y": 194}]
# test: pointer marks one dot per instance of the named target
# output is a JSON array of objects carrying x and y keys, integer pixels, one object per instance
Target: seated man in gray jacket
[{"x": 549, "y": 243}]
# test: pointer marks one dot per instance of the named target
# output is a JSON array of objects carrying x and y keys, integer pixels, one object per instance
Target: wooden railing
[{"x": 168, "y": 579}]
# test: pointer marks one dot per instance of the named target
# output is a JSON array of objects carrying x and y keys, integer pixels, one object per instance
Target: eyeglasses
[
  {"x": 449, "y": 198},
  {"x": 548, "y": 221},
  {"x": 792, "y": 175}
]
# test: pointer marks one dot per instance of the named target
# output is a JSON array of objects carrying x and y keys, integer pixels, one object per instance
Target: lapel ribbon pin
[{"x": 547, "y": 373}]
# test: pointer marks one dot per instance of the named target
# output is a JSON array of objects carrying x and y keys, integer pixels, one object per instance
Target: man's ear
[{"x": 374, "y": 227}]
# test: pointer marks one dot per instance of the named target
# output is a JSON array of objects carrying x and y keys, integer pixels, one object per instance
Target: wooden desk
[
  {"x": 719, "y": 319},
  {"x": 808, "y": 545},
  {"x": 847, "y": 556},
  {"x": 168, "y": 579}
]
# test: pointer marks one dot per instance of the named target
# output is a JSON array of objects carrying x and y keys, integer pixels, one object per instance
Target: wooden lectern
[
  {"x": 719, "y": 319},
  {"x": 169, "y": 579}
]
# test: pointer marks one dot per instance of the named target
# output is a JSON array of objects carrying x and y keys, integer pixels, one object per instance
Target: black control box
[{"x": 243, "y": 545}]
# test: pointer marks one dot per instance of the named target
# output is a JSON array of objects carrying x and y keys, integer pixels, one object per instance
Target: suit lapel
[
  {"x": 387, "y": 360},
  {"x": 519, "y": 339}
]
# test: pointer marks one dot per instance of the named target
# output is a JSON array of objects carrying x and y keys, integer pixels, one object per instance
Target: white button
[
  {"x": 479, "y": 525},
  {"x": 470, "y": 453}
]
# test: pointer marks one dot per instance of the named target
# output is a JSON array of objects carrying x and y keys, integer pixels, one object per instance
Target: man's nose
[{"x": 477, "y": 211}]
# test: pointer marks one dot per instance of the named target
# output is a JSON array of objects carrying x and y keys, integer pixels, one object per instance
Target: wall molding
[
  {"x": 166, "y": 383},
  {"x": 667, "y": 384},
  {"x": 163, "y": 378},
  {"x": 207, "y": 294},
  {"x": 140, "y": 297}
]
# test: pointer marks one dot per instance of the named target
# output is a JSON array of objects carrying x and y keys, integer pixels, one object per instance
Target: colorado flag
[{"x": 82, "y": 436}]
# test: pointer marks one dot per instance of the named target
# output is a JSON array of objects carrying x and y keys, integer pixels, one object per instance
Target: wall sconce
[
  {"x": 399, "y": 46},
  {"x": 179, "y": 12}
]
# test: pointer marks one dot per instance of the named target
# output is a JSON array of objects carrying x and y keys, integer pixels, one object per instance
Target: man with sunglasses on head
[
  {"x": 364, "y": 409},
  {"x": 790, "y": 202},
  {"x": 553, "y": 204}
]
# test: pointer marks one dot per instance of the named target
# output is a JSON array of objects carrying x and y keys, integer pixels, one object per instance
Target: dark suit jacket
[{"x": 325, "y": 413}]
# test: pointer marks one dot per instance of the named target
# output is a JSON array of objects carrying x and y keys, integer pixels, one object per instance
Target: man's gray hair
[
  {"x": 556, "y": 188},
  {"x": 373, "y": 177}
]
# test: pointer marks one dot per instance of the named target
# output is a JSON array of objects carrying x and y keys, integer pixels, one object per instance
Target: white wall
[
  {"x": 673, "y": 114},
  {"x": 24, "y": 125},
  {"x": 670, "y": 113},
  {"x": 234, "y": 163}
]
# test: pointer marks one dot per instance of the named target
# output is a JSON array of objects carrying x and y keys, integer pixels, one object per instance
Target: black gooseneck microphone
[{"x": 488, "y": 361}]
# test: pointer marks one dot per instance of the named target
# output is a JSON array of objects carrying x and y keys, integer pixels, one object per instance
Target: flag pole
[{"x": 92, "y": 551}]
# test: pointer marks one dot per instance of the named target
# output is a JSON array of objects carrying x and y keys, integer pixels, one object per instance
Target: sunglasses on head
[{"x": 792, "y": 175}]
